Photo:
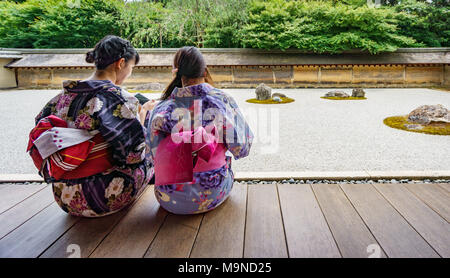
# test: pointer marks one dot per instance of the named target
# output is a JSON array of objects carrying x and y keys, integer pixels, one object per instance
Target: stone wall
[
  {"x": 447, "y": 75},
  {"x": 7, "y": 76},
  {"x": 275, "y": 76},
  {"x": 239, "y": 69}
]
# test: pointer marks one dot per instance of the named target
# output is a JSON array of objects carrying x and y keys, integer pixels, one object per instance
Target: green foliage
[
  {"x": 211, "y": 23},
  {"x": 222, "y": 30},
  {"x": 428, "y": 24},
  {"x": 322, "y": 27},
  {"x": 70, "y": 26},
  {"x": 56, "y": 23},
  {"x": 16, "y": 20},
  {"x": 141, "y": 23},
  {"x": 175, "y": 23}
]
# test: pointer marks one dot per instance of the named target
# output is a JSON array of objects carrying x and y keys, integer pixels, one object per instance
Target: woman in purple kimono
[
  {"x": 99, "y": 106},
  {"x": 192, "y": 131}
]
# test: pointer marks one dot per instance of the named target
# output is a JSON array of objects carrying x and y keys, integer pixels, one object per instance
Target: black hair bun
[
  {"x": 90, "y": 57},
  {"x": 111, "y": 49}
]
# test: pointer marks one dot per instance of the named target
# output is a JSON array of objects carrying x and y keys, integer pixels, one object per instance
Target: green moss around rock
[
  {"x": 401, "y": 122},
  {"x": 271, "y": 101},
  {"x": 344, "y": 98}
]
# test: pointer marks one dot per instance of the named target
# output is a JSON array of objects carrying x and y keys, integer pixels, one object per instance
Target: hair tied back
[{"x": 90, "y": 57}]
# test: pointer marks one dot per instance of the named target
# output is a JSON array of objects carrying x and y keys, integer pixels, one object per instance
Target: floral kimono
[
  {"x": 100, "y": 107},
  {"x": 212, "y": 181}
]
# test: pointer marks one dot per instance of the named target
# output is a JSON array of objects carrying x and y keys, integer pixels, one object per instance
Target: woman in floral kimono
[
  {"x": 194, "y": 176},
  {"x": 99, "y": 106}
]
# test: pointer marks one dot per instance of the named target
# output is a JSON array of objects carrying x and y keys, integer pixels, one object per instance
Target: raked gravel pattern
[{"x": 310, "y": 134}]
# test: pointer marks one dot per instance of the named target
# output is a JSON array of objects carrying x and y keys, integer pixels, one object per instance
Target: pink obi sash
[{"x": 181, "y": 154}]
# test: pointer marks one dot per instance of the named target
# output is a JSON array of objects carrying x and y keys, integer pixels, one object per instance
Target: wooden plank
[
  {"x": 20, "y": 213},
  {"x": 432, "y": 227},
  {"x": 12, "y": 194},
  {"x": 264, "y": 232},
  {"x": 87, "y": 234},
  {"x": 307, "y": 232},
  {"x": 222, "y": 231},
  {"x": 176, "y": 237},
  {"x": 132, "y": 236},
  {"x": 351, "y": 234},
  {"x": 446, "y": 186},
  {"x": 37, "y": 234},
  {"x": 396, "y": 237},
  {"x": 434, "y": 196}
]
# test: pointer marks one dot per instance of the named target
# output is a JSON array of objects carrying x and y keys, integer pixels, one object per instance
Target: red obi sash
[{"x": 67, "y": 160}]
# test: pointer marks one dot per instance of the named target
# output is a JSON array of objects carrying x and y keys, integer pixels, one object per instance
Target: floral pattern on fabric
[
  {"x": 91, "y": 105},
  {"x": 210, "y": 188}
]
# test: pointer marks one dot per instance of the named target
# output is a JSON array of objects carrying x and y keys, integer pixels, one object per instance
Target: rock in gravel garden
[
  {"x": 263, "y": 92},
  {"x": 426, "y": 114},
  {"x": 280, "y": 95},
  {"x": 358, "y": 92},
  {"x": 277, "y": 99},
  {"x": 337, "y": 94}
]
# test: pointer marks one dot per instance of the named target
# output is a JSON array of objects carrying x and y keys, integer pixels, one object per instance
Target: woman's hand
[{"x": 148, "y": 106}]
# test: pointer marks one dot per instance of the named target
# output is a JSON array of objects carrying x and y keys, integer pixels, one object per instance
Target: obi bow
[
  {"x": 60, "y": 152},
  {"x": 181, "y": 154}
]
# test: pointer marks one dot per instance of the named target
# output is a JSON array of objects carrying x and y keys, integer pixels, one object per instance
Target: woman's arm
[
  {"x": 238, "y": 136},
  {"x": 146, "y": 108}
]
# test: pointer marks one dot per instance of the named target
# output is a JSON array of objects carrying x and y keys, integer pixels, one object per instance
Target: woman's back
[
  {"x": 100, "y": 107},
  {"x": 189, "y": 109}
]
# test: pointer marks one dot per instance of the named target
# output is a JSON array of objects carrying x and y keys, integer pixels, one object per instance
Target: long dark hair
[
  {"x": 111, "y": 49},
  {"x": 190, "y": 64}
]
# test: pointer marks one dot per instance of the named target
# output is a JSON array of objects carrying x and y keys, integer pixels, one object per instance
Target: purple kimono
[
  {"x": 100, "y": 106},
  {"x": 208, "y": 188}
]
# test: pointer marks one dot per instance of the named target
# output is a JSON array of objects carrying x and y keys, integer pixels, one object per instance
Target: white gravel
[{"x": 313, "y": 134}]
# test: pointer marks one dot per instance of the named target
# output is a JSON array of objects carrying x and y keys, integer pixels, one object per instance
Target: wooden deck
[{"x": 265, "y": 220}]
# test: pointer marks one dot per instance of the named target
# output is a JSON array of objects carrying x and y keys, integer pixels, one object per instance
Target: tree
[
  {"x": 428, "y": 23},
  {"x": 322, "y": 27},
  {"x": 194, "y": 22},
  {"x": 57, "y": 24},
  {"x": 141, "y": 23},
  {"x": 313, "y": 25}
]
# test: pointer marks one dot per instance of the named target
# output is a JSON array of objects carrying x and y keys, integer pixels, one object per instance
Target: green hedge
[
  {"x": 428, "y": 24},
  {"x": 57, "y": 24},
  {"x": 330, "y": 26},
  {"x": 322, "y": 27}
]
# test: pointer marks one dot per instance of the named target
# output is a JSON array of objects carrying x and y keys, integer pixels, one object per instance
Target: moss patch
[
  {"x": 401, "y": 122},
  {"x": 145, "y": 91},
  {"x": 271, "y": 101},
  {"x": 344, "y": 98}
]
